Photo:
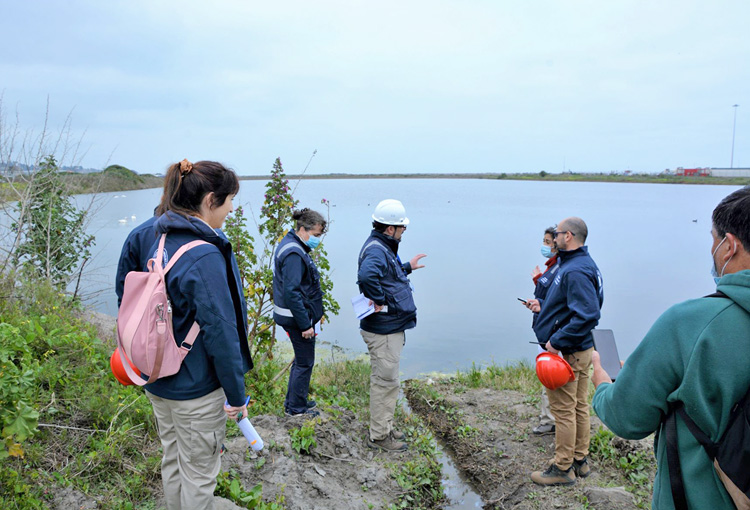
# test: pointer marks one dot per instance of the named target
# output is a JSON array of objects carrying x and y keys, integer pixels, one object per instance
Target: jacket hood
[
  {"x": 171, "y": 221},
  {"x": 737, "y": 287}
]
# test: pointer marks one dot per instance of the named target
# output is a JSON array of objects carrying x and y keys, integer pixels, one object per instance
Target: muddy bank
[
  {"x": 339, "y": 473},
  {"x": 488, "y": 432}
]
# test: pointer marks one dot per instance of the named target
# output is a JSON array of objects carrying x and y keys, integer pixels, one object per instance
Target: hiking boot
[
  {"x": 387, "y": 445},
  {"x": 543, "y": 430},
  {"x": 311, "y": 404},
  {"x": 581, "y": 467},
  {"x": 397, "y": 434},
  {"x": 307, "y": 413},
  {"x": 553, "y": 475}
]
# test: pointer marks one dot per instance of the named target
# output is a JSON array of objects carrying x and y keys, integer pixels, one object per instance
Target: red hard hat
[
  {"x": 553, "y": 371},
  {"x": 115, "y": 363}
]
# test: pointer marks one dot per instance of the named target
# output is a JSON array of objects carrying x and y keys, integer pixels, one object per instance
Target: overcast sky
[{"x": 386, "y": 86}]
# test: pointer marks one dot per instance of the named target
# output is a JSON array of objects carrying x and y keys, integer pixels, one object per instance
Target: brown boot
[
  {"x": 388, "y": 444},
  {"x": 581, "y": 467},
  {"x": 397, "y": 434},
  {"x": 553, "y": 475}
]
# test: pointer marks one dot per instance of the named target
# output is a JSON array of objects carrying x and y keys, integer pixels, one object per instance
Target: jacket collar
[
  {"x": 551, "y": 261},
  {"x": 571, "y": 254},
  {"x": 299, "y": 241},
  {"x": 388, "y": 241}
]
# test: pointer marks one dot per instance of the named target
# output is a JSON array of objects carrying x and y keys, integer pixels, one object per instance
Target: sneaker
[
  {"x": 397, "y": 434},
  {"x": 387, "y": 445},
  {"x": 308, "y": 413},
  {"x": 311, "y": 404},
  {"x": 581, "y": 467},
  {"x": 553, "y": 475},
  {"x": 543, "y": 430}
]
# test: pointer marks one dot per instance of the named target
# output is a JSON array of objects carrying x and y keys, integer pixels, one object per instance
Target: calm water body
[{"x": 482, "y": 238}]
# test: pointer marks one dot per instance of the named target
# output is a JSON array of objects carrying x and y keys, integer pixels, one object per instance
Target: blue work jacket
[
  {"x": 572, "y": 306},
  {"x": 381, "y": 277},
  {"x": 204, "y": 286},
  {"x": 297, "y": 297}
]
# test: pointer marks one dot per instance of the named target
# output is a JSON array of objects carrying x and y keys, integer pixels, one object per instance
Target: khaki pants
[
  {"x": 570, "y": 407},
  {"x": 191, "y": 433},
  {"x": 545, "y": 415},
  {"x": 385, "y": 353}
]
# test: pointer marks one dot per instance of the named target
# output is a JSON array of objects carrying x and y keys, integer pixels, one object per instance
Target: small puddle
[{"x": 460, "y": 494}]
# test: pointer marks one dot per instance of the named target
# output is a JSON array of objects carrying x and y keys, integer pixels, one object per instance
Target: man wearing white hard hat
[{"x": 382, "y": 278}]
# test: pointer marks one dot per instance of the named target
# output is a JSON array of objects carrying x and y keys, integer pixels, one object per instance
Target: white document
[{"x": 362, "y": 306}]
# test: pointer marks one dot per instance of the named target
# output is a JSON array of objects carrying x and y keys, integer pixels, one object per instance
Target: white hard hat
[{"x": 390, "y": 212}]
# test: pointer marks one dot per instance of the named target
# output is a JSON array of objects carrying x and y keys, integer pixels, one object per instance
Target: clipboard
[{"x": 604, "y": 343}]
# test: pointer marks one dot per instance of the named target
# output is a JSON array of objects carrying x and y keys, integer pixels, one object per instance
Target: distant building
[
  {"x": 692, "y": 172},
  {"x": 730, "y": 172}
]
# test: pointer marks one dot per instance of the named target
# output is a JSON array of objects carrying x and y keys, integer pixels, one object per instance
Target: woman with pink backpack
[{"x": 204, "y": 288}]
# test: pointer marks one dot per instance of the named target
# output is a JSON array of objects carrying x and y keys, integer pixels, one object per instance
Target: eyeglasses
[{"x": 556, "y": 233}]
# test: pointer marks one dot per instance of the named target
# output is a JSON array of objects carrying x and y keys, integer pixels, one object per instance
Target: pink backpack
[{"x": 144, "y": 323}]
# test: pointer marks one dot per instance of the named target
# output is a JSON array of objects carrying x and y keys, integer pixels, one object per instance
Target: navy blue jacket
[
  {"x": 573, "y": 303},
  {"x": 135, "y": 253},
  {"x": 297, "y": 297},
  {"x": 381, "y": 277},
  {"x": 204, "y": 286},
  {"x": 544, "y": 281}
]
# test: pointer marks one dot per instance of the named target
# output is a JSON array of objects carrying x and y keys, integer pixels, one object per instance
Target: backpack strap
[
  {"x": 718, "y": 293},
  {"x": 670, "y": 430},
  {"x": 673, "y": 459}
]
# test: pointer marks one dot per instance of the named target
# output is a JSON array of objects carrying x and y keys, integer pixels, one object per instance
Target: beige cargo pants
[
  {"x": 191, "y": 433},
  {"x": 570, "y": 407},
  {"x": 385, "y": 354}
]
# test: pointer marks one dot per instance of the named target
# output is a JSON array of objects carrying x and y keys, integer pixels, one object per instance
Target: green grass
[{"x": 518, "y": 376}]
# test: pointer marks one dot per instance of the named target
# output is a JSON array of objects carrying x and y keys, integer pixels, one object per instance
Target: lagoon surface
[{"x": 482, "y": 237}]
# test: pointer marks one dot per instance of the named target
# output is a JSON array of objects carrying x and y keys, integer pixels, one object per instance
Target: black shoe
[
  {"x": 581, "y": 467},
  {"x": 311, "y": 404},
  {"x": 307, "y": 413}
]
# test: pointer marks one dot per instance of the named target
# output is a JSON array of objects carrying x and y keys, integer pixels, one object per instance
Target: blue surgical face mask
[
  {"x": 714, "y": 273},
  {"x": 546, "y": 251},
  {"x": 313, "y": 242}
]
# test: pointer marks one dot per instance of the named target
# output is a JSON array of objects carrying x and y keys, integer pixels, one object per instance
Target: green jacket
[{"x": 697, "y": 352}]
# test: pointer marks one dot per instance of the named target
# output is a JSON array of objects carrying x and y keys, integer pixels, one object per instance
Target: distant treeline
[
  {"x": 112, "y": 178},
  {"x": 540, "y": 176}
]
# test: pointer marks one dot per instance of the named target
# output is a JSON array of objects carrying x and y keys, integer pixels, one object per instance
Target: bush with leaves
[{"x": 50, "y": 229}]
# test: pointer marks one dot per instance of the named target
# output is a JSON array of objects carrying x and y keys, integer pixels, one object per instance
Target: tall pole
[{"x": 734, "y": 126}]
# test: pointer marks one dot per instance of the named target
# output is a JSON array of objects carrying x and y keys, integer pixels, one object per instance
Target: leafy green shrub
[
  {"x": 53, "y": 245},
  {"x": 17, "y": 388},
  {"x": 229, "y": 486},
  {"x": 303, "y": 438}
]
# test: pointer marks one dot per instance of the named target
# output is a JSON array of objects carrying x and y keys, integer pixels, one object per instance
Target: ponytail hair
[
  {"x": 308, "y": 219},
  {"x": 187, "y": 183}
]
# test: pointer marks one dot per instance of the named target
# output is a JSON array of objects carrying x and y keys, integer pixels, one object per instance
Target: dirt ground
[
  {"x": 496, "y": 450},
  {"x": 340, "y": 473}
]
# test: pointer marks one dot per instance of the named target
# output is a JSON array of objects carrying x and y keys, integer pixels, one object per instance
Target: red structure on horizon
[{"x": 700, "y": 172}]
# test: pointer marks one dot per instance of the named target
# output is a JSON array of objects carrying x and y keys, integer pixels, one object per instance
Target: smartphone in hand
[{"x": 522, "y": 300}]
